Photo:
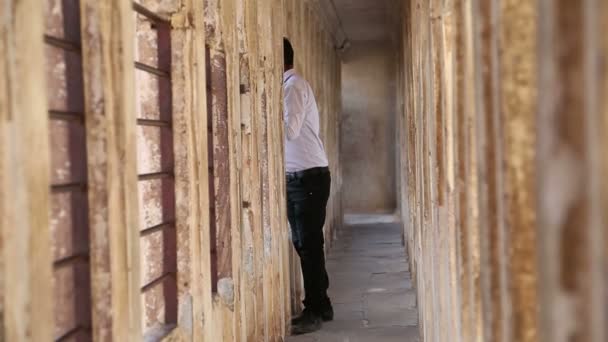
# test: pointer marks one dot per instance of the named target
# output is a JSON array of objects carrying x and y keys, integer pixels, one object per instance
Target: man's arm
[{"x": 293, "y": 106}]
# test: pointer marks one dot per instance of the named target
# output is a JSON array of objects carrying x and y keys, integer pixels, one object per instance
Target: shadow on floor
[{"x": 371, "y": 288}]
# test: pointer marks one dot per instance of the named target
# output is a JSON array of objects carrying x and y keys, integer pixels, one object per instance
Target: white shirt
[{"x": 303, "y": 146}]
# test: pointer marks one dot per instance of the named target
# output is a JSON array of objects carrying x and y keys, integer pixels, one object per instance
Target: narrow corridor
[
  {"x": 142, "y": 169},
  {"x": 371, "y": 288}
]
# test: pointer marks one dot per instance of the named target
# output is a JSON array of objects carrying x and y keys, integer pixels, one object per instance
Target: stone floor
[{"x": 371, "y": 288}]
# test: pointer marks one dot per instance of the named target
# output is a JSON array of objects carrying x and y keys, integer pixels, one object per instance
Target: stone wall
[
  {"x": 502, "y": 166},
  {"x": 142, "y": 167},
  {"x": 368, "y": 128}
]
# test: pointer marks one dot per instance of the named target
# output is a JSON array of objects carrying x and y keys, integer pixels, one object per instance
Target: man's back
[{"x": 303, "y": 146}]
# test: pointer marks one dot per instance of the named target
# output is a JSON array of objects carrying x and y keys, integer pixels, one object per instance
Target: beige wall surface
[{"x": 368, "y": 121}]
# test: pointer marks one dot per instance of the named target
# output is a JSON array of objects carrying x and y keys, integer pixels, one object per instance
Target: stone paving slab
[{"x": 371, "y": 288}]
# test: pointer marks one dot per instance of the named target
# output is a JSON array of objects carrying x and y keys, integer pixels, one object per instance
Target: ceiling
[{"x": 364, "y": 20}]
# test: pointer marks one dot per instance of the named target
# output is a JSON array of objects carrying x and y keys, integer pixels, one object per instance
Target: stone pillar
[
  {"x": 469, "y": 123},
  {"x": 572, "y": 225},
  {"x": 26, "y": 304}
]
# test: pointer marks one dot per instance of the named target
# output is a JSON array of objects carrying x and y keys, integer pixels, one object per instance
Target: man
[{"x": 308, "y": 184}]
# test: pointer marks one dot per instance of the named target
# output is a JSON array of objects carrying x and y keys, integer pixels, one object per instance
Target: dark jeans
[{"x": 306, "y": 209}]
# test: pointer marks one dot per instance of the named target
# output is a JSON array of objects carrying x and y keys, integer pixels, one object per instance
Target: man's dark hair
[{"x": 287, "y": 52}]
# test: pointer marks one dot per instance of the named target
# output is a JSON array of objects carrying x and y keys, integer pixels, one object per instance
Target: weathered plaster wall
[
  {"x": 503, "y": 161},
  {"x": 364, "y": 20},
  {"x": 367, "y": 128},
  {"x": 201, "y": 255}
]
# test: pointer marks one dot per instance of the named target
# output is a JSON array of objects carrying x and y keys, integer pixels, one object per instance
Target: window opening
[
  {"x": 156, "y": 166},
  {"x": 219, "y": 167},
  {"x": 68, "y": 194}
]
